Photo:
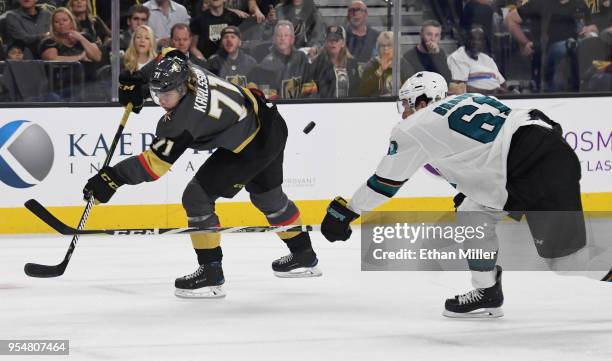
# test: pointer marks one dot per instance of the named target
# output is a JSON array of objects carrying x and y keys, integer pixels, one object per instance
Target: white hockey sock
[{"x": 484, "y": 279}]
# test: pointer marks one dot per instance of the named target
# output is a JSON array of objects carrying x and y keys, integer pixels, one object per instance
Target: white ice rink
[{"x": 116, "y": 302}]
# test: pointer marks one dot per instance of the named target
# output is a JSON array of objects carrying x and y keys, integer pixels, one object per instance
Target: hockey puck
[{"x": 309, "y": 127}]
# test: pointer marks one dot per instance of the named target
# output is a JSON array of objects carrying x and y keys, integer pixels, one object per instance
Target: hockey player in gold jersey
[{"x": 204, "y": 112}]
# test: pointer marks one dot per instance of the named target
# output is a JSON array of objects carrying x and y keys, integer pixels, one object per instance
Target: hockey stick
[
  {"x": 44, "y": 271},
  {"x": 41, "y": 212}
]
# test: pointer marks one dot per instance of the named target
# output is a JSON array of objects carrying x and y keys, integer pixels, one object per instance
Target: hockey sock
[
  {"x": 209, "y": 255},
  {"x": 484, "y": 279},
  {"x": 299, "y": 243}
]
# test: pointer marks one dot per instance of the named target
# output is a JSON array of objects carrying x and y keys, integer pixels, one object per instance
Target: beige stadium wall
[{"x": 339, "y": 154}]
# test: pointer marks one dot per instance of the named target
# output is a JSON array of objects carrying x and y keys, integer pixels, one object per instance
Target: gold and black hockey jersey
[{"x": 217, "y": 114}]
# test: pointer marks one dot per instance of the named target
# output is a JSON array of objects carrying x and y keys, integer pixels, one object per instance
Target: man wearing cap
[
  {"x": 206, "y": 28},
  {"x": 229, "y": 62},
  {"x": 335, "y": 71}
]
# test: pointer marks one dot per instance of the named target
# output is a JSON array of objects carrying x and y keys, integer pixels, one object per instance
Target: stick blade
[
  {"x": 41, "y": 212},
  {"x": 42, "y": 271}
]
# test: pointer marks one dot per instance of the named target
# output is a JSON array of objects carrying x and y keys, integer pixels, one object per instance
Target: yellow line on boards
[{"x": 20, "y": 220}]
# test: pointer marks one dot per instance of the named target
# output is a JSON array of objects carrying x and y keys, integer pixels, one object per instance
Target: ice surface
[{"x": 116, "y": 301}]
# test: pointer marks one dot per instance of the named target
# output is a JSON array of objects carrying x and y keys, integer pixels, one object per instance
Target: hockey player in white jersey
[{"x": 501, "y": 160}]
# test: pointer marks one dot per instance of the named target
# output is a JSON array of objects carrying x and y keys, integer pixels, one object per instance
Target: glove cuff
[
  {"x": 111, "y": 178},
  {"x": 340, "y": 210}
]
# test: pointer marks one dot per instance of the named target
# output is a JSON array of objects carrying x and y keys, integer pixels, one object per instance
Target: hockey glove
[
  {"x": 336, "y": 224},
  {"x": 130, "y": 89},
  {"x": 103, "y": 185}
]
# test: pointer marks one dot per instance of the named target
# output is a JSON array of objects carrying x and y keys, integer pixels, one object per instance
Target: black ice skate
[
  {"x": 479, "y": 303},
  {"x": 205, "y": 282},
  {"x": 296, "y": 265},
  {"x": 608, "y": 277}
]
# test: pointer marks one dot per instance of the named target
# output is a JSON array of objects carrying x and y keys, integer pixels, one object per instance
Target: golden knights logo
[
  {"x": 292, "y": 88},
  {"x": 214, "y": 31},
  {"x": 176, "y": 68},
  {"x": 239, "y": 80},
  {"x": 387, "y": 84}
]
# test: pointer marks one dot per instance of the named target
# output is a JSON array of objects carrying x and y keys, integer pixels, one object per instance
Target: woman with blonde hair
[
  {"x": 142, "y": 49},
  {"x": 65, "y": 43},
  {"x": 377, "y": 76},
  {"x": 88, "y": 23}
]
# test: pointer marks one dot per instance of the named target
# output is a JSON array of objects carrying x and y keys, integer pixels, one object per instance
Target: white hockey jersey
[{"x": 466, "y": 138}]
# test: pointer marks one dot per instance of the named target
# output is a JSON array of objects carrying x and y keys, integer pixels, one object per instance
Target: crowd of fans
[{"x": 289, "y": 50}]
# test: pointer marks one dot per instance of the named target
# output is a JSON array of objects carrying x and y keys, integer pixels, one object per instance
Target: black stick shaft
[{"x": 60, "y": 268}]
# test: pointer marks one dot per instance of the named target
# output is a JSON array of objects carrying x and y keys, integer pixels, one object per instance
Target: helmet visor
[
  {"x": 166, "y": 98},
  {"x": 401, "y": 105}
]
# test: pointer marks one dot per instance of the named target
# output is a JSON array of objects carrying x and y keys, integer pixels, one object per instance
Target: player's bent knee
[
  {"x": 196, "y": 201},
  {"x": 275, "y": 205}
]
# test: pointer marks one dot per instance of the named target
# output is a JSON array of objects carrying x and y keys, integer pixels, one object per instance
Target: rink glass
[{"x": 73, "y": 82}]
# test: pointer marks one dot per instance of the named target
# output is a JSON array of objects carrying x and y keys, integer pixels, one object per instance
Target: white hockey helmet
[{"x": 427, "y": 83}]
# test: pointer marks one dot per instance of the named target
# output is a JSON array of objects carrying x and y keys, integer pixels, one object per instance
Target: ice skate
[
  {"x": 608, "y": 277},
  {"x": 205, "y": 282},
  {"x": 478, "y": 303},
  {"x": 297, "y": 265}
]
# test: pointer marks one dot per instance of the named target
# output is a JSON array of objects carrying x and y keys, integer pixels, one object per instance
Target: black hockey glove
[
  {"x": 130, "y": 89},
  {"x": 103, "y": 185},
  {"x": 336, "y": 224}
]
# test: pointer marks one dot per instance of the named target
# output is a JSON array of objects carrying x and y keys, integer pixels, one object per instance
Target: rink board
[{"x": 339, "y": 154}]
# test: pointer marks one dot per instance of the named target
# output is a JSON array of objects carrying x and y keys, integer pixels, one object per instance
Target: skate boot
[
  {"x": 478, "y": 303},
  {"x": 608, "y": 277},
  {"x": 297, "y": 265},
  {"x": 205, "y": 282}
]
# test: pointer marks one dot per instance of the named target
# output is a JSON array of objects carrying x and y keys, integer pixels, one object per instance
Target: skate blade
[
  {"x": 302, "y": 272},
  {"x": 204, "y": 292},
  {"x": 481, "y": 313}
]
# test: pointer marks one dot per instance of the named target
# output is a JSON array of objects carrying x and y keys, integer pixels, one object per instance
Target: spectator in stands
[
  {"x": 377, "y": 78},
  {"x": 427, "y": 54},
  {"x": 557, "y": 22},
  {"x": 29, "y": 23},
  {"x": 479, "y": 12},
  {"x": 239, "y": 7},
  {"x": 284, "y": 73},
  {"x": 306, "y": 19},
  {"x": 243, "y": 8},
  {"x": 181, "y": 39},
  {"x": 138, "y": 15},
  {"x": 206, "y": 28},
  {"x": 142, "y": 49},
  {"x": 65, "y": 43},
  {"x": 88, "y": 23},
  {"x": 599, "y": 75},
  {"x": 360, "y": 38},
  {"x": 259, "y": 9},
  {"x": 474, "y": 70},
  {"x": 335, "y": 71},
  {"x": 447, "y": 13},
  {"x": 230, "y": 62},
  {"x": 164, "y": 14},
  {"x": 15, "y": 50},
  {"x": 601, "y": 13}
]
